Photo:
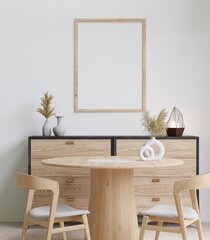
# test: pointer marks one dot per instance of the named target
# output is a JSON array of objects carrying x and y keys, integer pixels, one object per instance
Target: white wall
[{"x": 36, "y": 55}]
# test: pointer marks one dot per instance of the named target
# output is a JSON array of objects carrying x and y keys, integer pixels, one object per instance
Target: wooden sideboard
[{"x": 151, "y": 186}]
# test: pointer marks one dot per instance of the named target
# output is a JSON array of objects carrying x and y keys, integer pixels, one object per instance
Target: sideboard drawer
[
  {"x": 39, "y": 169},
  {"x": 155, "y": 185},
  {"x": 41, "y": 149},
  {"x": 74, "y": 185},
  {"x": 187, "y": 169},
  {"x": 180, "y": 149},
  {"x": 173, "y": 148},
  {"x": 76, "y": 201},
  {"x": 144, "y": 202}
]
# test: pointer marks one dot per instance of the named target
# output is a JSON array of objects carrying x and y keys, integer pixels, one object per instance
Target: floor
[{"x": 12, "y": 231}]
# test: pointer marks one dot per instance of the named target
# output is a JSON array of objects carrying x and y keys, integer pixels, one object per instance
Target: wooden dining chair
[
  {"x": 177, "y": 217},
  {"x": 47, "y": 216}
]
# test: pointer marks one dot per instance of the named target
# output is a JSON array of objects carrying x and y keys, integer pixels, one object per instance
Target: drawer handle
[
  {"x": 155, "y": 180},
  {"x": 70, "y": 180},
  {"x": 155, "y": 199},
  {"x": 70, "y": 142},
  {"x": 71, "y": 199}
]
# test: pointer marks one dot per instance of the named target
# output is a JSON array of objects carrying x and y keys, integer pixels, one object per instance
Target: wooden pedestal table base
[{"x": 113, "y": 214}]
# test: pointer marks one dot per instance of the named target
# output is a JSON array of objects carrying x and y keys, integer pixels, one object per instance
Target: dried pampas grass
[{"x": 156, "y": 125}]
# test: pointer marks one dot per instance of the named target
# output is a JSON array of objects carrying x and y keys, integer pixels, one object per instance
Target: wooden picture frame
[{"x": 109, "y": 65}]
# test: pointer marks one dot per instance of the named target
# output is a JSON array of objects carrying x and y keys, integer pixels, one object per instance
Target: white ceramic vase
[
  {"x": 59, "y": 130},
  {"x": 148, "y": 153},
  {"x": 46, "y": 130}
]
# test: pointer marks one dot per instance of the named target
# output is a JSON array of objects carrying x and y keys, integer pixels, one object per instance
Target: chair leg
[
  {"x": 143, "y": 227},
  {"x": 87, "y": 230},
  {"x": 183, "y": 231},
  {"x": 49, "y": 234},
  {"x": 199, "y": 228},
  {"x": 49, "y": 231},
  {"x": 24, "y": 229},
  {"x": 63, "y": 233},
  {"x": 157, "y": 234}
]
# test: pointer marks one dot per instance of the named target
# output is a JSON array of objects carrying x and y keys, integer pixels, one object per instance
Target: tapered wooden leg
[
  {"x": 157, "y": 234},
  {"x": 49, "y": 230},
  {"x": 113, "y": 214},
  {"x": 63, "y": 233},
  {"x": 199, "y": 228},
  {"x": 24, "y": 229},
  {"x": 87, "y": 231},
  {"x": 143, "y": 227},
  {"x": 183, "y": 231}
]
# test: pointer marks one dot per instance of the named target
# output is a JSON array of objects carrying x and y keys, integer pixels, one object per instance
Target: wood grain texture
[
  {"x": 113, "y": 213},
  {"x": 149, "y": 193},
  {"x": 146, "y": 191},
  {"x": 76, "y": 180},
  {"x": 112, "y": 205}
]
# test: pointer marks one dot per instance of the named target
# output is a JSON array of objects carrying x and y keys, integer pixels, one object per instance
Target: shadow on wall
[{"x": 12, "y": 199}]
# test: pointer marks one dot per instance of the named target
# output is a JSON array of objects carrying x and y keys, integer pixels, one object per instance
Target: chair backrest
[
  {"x": 36, "y": 183},
  {"x": 33, "y": 183},
  {"x": 193, "y": 183}
]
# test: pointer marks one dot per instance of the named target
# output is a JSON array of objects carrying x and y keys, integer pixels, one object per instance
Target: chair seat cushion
[
  {"x": 169, "y": 211},
  {"x": 61, "y": 211}
]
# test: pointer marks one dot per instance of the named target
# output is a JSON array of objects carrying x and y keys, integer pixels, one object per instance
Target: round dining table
[{"x": 113, "y": 214}]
